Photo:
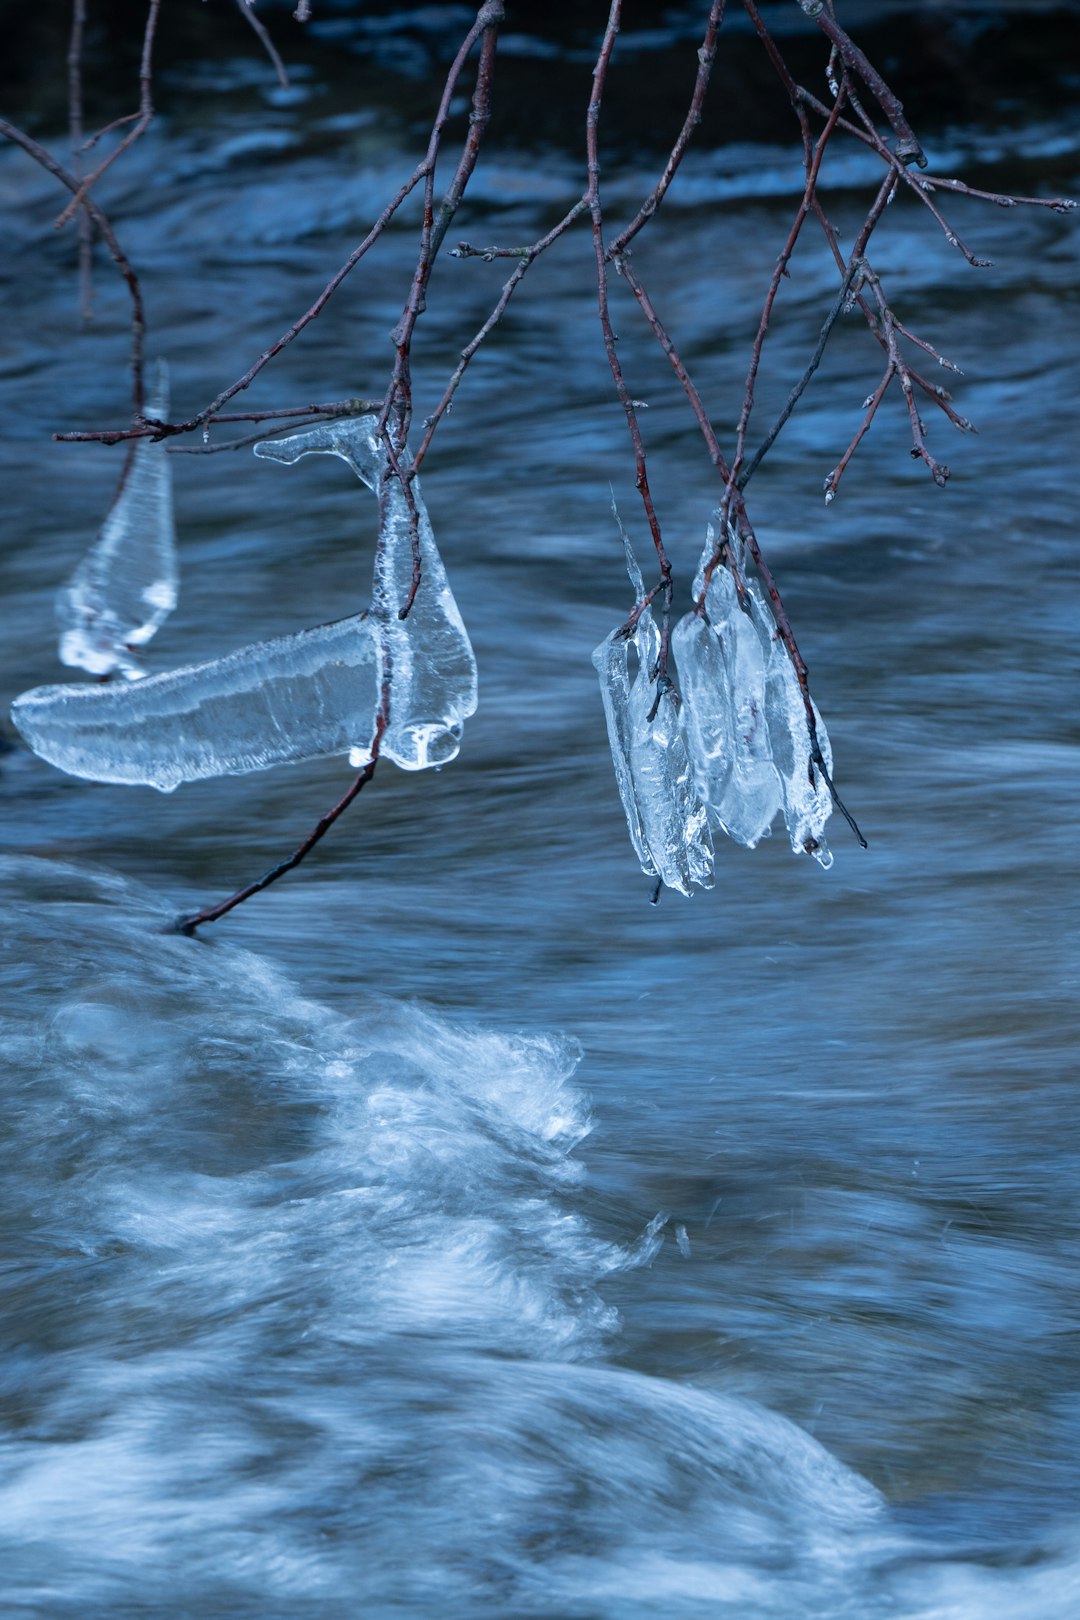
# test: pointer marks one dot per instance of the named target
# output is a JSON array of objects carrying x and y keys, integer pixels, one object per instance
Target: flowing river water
[{"x": 451, "y": 1232}]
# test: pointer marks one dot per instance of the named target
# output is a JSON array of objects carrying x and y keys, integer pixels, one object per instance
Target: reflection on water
[{"x": 321, "y": 1299}]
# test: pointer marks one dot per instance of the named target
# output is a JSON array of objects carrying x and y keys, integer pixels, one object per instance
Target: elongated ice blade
[
  {"x": 807, "y": 801},
  {"x": 612, "y": 663},
  {"x": 672, "y": 813},
  {"x": 665, "y": 816},
  {"x": 276, "y": 702},
  {"x": 426, "y": 655},
  {"x": 722, "y": 666},
  {"x": 708, "y": 709},
  {"x": 125, "y": 586}
]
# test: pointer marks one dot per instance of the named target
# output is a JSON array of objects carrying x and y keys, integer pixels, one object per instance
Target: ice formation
[
  {"x": 426, "y": 656},
  {"x": 125, "y": 586},
  {"x": 296, "y": 697},
  {"x": 276, "y": 702},
  {"x": 807, "y": 800},
  {"x": 733, "y": 754},
  {"x": 664, "y": 813}
]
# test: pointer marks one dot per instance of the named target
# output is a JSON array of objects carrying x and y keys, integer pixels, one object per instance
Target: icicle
[
  {"x": 125, "y": 586},
  {"x": 612, "y": 662},
  {"x": 707, "y": 707},
  {"x": 666, "y": 819},
  {"x": 674, "y": 818},
  {"x": 276, "y": 702},
  {"x": 427, "y": 655},
  {"x": 807, "y": 801},
  {"x": 722, "y": 667}
]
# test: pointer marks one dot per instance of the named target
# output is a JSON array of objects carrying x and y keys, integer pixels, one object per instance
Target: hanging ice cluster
[
  {"x": 296, "y": 697},
  {"x": 125, "y": 587},
  {"x": 732, "y": 754}
]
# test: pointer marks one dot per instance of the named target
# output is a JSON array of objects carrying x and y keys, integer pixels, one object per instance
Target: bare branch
[
  {"x": 247, "y": 11},
  {"x": 101, "y": 221},
  {"x": 908, "y": 146},
  {"x": 145, "y": 114},
  {"x": 195, "y": 919},
  {"x": 601, "y": 254},
  {"x": 706, "y": 58},
  {"x": 75, "y": 138}
]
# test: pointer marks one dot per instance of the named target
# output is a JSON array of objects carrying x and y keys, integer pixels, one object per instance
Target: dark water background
[{"x": 326, "y": 1294}]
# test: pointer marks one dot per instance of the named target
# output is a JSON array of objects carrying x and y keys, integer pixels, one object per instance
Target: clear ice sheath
[
  {"x": 125, "y": 586},
  {"x": 276, "y": 702},
  {"x": 426, "y": 656}
]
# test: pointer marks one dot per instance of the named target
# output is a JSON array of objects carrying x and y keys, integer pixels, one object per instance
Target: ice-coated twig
[
  {"x": 276, "y": 702},
  {"x": 425, "y": 653},
  {"x": 125, "y": 586}
]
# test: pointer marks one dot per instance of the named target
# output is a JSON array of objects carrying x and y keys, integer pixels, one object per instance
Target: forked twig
[
  {"x": 142, "y": 117},
  {"x": 108, "y": 235}
]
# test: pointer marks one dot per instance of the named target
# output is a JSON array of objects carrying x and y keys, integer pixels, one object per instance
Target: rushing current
[{"x": 449, "y": 1231}]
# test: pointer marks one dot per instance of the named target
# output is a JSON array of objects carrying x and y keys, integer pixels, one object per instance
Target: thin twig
[
  {"x": 932, "y": 182},
  {"x": 145, "y": 114},
  {"x": 247, "y": 11},
  {"x": 528, "y": 257},
  {"x": 833, "y": 480},
  {"x": 398, "y": 399},
  {"x": 160, "y": 430},
  {"x": 706, "y": 57},
  {"x": 433, "y": 230},
  {"x": 855, "y": 268},
  {"x": 107, "y": 129},
  {"x": 103, "y": 225},
  {"x": 601, "y": 255},
  {"x": 75, "y": 136},
  {"x": 195, "y": 919},
  {"x": 813, "y": 169}
]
